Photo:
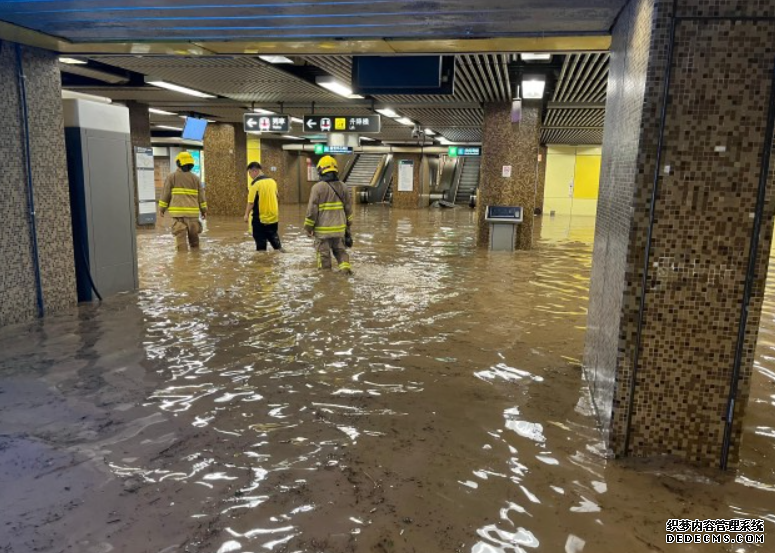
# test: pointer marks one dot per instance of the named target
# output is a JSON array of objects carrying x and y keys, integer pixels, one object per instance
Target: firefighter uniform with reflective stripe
[
  {"x": 184, "y": 198},
  {"x": 329, "y": 214}
]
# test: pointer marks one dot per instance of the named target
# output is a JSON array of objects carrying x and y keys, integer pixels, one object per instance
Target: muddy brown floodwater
[{"x": 434, "y": 402}]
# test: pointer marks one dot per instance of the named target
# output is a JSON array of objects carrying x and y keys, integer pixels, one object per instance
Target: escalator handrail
[
  {"x": 349, "y": 167},
  {"x": 457, "y": 178}
]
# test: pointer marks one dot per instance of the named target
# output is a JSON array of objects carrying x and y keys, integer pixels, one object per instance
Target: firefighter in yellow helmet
[
  {"x": 184, "y": 199},
  {"x": 329, "y": 217}
]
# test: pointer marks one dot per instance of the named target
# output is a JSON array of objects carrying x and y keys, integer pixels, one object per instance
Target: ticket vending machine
[{"x": 503, "y": 221}]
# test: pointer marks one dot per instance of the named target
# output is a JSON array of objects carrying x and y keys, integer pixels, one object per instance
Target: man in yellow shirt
[{"x": 263, "y": 203}]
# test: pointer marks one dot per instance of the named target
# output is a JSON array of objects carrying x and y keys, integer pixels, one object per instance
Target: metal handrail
[
  {"x": 378, "y": 172},
  {"x": 456, "y": 179},
  {"x": 349, "y": 167}
]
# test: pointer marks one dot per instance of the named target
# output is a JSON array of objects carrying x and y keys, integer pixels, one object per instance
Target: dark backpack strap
[{"x": 337, "y": 194}]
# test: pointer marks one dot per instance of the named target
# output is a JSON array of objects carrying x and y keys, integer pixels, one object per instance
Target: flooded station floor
[{"x": 434, "y": 402}]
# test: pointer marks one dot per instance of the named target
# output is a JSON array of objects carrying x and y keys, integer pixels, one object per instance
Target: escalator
[
  {"x": 363, "y": 170},
  {"x": 469, "y": 180}
]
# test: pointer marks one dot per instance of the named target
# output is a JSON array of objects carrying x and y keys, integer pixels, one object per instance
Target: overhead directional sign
[
  {"x": 463, "y": 151},
  {"x": 323, "y": 149},
  {"x": 337, "y": 123},
  {"x": 266, "y": 123}
]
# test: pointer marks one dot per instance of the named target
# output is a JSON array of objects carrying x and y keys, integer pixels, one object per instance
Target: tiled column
[
  {"x": 224, "y": 180},
  {"x": 668, "y": 283},
  {"x": 541, "y": 182},
  {"x": 281, "y": 166},
  {"x": 18, "y": 294},
  {"x": 514, "y": 145},
  {"x": 407, "y": 200},
  {"x": 140, "y": 132}
]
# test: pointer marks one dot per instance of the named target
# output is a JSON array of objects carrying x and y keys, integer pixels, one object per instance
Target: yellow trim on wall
[{"x": 254, "y": 152}]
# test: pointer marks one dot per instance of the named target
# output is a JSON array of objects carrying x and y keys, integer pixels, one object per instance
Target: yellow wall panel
[
  {"x": 254, "y": 151},
  {"x": 587, "y": 177}
]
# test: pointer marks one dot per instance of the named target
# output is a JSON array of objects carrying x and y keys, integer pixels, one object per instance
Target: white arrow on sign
[
  {"x": 311, "y": 124},
  {"x": 252, "y": 123}
]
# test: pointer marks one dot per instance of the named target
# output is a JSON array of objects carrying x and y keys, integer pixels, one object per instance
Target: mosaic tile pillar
[
  {"x": 541, "y": 183},
  {"x": 409, "y": 199},
  {"x": 240, "y": 151},
  {"x": 661, "y": 347},
  {"x": 51, "y": 197},
  {"x": 514, "y": 146},
  {"x": 140, "y": 135},
  {"x": 281, "y": 166},
  {"x": 225, "y": 182}
]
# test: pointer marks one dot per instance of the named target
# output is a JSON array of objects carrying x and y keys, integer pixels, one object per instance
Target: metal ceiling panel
[
  {"x": 243, "y": 79},
  {"x": 203, "y": 20},
  {"x": 583, "y": 81}
]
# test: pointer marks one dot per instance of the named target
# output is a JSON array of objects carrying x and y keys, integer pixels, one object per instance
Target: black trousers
[{"x": 265, "y": 233}]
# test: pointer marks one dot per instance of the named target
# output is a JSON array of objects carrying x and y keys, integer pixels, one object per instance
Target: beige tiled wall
[
  {"x": 225, "y": 185},
  {"x": 713, "y": 143},
  {"x": 507, "y": 143},
  {"x": 52, "y": 197}
]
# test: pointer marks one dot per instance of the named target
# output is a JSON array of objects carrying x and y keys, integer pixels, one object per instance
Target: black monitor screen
[
  {"x": 495, "y": 211},
  {"x": 194, "y": 129}
]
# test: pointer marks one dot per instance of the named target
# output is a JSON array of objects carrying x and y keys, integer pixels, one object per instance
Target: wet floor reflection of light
[{"x": 433, "y": 402}]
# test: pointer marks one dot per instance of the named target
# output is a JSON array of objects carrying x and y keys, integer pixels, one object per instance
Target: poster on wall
[
  {"x": 405, "y": 175},
  {"x": 312, "y": 173},
  {"x": 146, "y": 186}
]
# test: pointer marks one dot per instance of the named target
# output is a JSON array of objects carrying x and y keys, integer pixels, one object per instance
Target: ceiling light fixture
[
  {"x": 444, "y": 142},
  {"x": 536, "y": 57},
  {"x": 387, "y": 112},
  {"x": 160, "y": 111},
  {"x": 332, "y": 85},
  {"x": 72, "y": 61},
  {"x": 533, "y": 87},
  {"x": 276, "y": 59},
  {"x": 429, "y": 132},
  {"x": 181, "y": 89},
  {"x": 368, "y": 138},
  {"x": 297, "y": 119},
  {"x": 405, "y": 121},
  {"x": 169, "y": 128},
  {"x": 291, "y": 137},
  {"x": 262, "y": 111}
]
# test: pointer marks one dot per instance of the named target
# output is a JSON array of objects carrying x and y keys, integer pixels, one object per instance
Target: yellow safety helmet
[
  {"x": 184, "y": 158},
  {"x": 327, "y": 164}
]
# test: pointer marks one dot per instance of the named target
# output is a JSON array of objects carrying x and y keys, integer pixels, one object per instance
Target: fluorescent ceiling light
[
  {"x": 368, "y": 138},
  {"x": 444, "y": 141},
  {"x": 276, "y": 59},
  {"x": 202, "y": 118},
  {"x": 332, "y": 85},
  {"x": 533, "y": 88},
  {"x": 387, "y": 112},
  {"x": 262, "y": 111},
  {"x": 429, "y": 132},
  {"x": 536, "y": 57},
  {"x": 160, "y": 111},
  {"x": 297, "y": 119},
  {"x": 72, "y": 61},
  {"x": 169, "y": 128},
  {"x": 181, "y": 89},
  {"x": 405, "y": 121},
  {"x": 290, "y": 136}
]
